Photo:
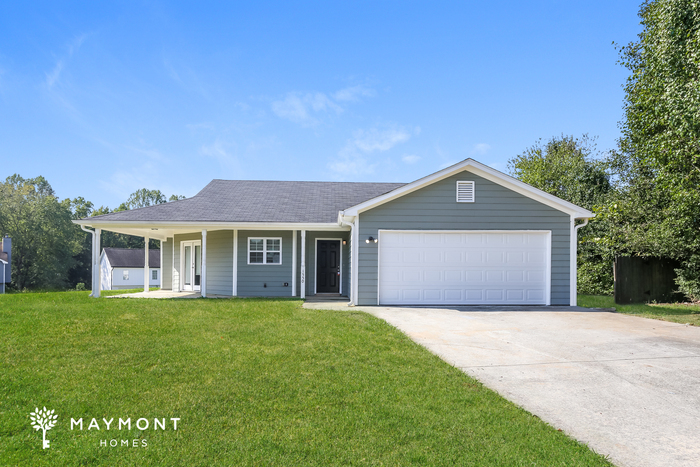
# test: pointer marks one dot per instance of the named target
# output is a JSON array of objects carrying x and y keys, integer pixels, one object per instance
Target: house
[
  {"x": 122, "y": 268},
  {"x": 467, "y": 234},
  {"x": 5, "y": 262}
]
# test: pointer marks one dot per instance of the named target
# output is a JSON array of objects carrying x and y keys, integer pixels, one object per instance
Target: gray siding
[
  {"x": 264, "y": 280},
  {"x": 166, "y": 267},
  {"x": 311, "y": 237},
  {"x": 220, "y": 262},
  {"x": 435, "y": 208}
]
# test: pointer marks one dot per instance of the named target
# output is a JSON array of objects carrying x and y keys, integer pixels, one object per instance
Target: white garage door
[{"x": 466, "y": 267}]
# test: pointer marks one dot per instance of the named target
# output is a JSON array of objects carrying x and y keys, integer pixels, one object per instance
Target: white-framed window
[
  {"x": 264, "y": 250},
  {"x": 154, "y": 275},
  {"x": 125, "y": 275},
  {"x": 465, "y": 192}
]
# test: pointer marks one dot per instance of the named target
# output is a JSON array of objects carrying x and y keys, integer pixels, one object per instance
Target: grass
[
  {"x": 254, "y": 382},
  {"x": 683, "y": 313}
]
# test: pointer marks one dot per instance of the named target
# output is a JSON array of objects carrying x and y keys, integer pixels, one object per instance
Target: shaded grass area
[
  {"x": 254, "y": 382},
  {"x": 675, "y": 312}
]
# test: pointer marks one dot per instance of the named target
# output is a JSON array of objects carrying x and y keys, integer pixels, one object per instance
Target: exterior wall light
[{"x": 371, "y": 239}]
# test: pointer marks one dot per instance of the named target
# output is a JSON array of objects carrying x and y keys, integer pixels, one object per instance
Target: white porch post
[
  {"x": 302, "y": 282},
  {"x": 204, "y": 263},
  {"x": 160, "y": 273},
  {"x": 235, "y": 263},
  {"x": 146, "y": 281},
  {"x": 97, "y": 268},
  {"x": 294, "y": 263}
]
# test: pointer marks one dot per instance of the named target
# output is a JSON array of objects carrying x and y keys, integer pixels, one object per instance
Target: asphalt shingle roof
[
  {"x": 131, "y": 257},
  {"x": 260, "y": 201}
]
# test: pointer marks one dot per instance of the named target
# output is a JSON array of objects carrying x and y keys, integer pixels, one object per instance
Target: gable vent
[{"x": 465, "y": 192}]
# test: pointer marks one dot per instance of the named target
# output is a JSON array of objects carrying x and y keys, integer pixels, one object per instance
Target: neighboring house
[
  {"x": 467, "y": 234},
  {"x": 122, "y": 268},
  {"x": 5, "y": 262}
]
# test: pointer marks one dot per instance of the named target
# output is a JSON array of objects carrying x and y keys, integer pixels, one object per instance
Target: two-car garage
[{"x": 464, "y": 267}]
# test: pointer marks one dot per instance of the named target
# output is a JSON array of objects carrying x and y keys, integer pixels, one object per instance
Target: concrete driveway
[{"x": 627, "y": 387}]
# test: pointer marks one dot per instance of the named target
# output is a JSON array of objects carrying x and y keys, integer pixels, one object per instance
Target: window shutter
[{"x": 465, "y": 192}]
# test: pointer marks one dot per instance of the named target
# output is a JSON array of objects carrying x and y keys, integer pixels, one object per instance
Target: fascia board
[
  {"x": 484, "y": 171},
  {"x": 193, "y": 226}
]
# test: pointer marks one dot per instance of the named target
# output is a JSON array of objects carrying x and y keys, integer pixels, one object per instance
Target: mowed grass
[
  {"x": 683, "y": 313},
  {"x": 254, "y": 382}
]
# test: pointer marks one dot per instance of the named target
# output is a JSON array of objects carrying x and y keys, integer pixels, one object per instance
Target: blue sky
[{"x": 105, "y": 99}]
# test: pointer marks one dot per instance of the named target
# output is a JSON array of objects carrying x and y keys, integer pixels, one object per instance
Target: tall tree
[
  {"x": 658, "y": 164},
  {"x": 570, "y": 168},
  {"x": 43, "y": 236}
]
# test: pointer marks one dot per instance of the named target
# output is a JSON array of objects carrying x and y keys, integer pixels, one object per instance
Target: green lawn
[
  {"x": 254, "y": 382},
  {"x": 676, "y": 312}
]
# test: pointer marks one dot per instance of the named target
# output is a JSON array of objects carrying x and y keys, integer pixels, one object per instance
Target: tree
[
  {"x": 43, "y": 236},
  {"x": 571, "y": 169},
  {"x": 657, "y": 166}
]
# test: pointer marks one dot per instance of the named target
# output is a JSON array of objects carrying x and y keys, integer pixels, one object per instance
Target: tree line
[{"x": 48, "y": 250}]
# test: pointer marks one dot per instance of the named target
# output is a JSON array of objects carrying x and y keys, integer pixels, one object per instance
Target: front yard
[
  {"x": 682, "y": 313},
  {"x": 253, "y": 382}
]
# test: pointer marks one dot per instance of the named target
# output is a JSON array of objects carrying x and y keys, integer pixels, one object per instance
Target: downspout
[
  {"x": 574, "y": 259},
  {"x": 353, "y": 246},
  {"x": 92, "y": 262}
]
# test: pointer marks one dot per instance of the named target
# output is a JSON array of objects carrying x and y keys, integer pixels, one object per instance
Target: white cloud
[
  {"x": 298, "y": 108},
  {"x": 410, "y": 158},
  {"x": 380, "y": 140},
  {"x": 351, "y": 162},
  {"x": 481, "y": 148},
  {"x": 217, "y": 150},
  {"x": 52, "y": 78},
  {"x": 353, "y": 93}
]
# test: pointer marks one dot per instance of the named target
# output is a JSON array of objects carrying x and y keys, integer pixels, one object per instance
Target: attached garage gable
[
  {"x": 496, "y": 243},
  {"x": 463, "y": 267}
]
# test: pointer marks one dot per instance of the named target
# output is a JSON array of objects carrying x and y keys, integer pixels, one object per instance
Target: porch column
[
  {"x": 302, "y": 282},
  {"x": 160, "y": 273},
  {"x": 98, "y": 267},
  {"x": 235, "y": 263},
  {"x": 146, "y": 280},
  {"x": 294, "y": 263},
  {"x": 204, "y": 263}
]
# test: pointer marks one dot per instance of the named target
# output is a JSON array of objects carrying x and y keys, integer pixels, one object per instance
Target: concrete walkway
[{"x": 628, "y": 387}]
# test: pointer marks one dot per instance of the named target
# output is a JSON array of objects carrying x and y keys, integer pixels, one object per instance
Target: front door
[
  {"x": 328, "y": 266},
  {"x": 191, "y": 265}
]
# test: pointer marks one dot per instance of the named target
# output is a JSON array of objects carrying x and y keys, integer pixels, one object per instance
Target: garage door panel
[{"x": 463, "y": 267}]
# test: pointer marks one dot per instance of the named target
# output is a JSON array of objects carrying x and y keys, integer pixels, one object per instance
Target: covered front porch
[{"x": 260, "y": 261}]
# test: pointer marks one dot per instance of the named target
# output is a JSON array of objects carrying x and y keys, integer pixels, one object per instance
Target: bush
[
  {"x": 80, "y": 286},
  {"x": 595, "y": 276}
]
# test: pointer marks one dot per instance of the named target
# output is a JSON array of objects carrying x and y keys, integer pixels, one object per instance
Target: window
[
  {"x": 154, "y": 275},
  {"x": 125, "y": 275},
  {"x": 465, "y": 192},
  {"x": 264, "y": 251}
]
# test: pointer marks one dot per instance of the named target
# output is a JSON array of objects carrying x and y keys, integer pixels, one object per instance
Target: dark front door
[{"x": 328, "y": 266}]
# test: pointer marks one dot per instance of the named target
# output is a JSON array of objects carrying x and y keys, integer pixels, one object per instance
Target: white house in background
[
  {"x": 5, "y": 262},
  {"x": 122, "y": 268}
]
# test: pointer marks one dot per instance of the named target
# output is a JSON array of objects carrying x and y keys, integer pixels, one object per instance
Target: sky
[{"x": 105, "y": 98}]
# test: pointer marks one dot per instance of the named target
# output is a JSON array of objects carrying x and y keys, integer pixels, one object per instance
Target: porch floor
[{"x": 165, "y": 294}]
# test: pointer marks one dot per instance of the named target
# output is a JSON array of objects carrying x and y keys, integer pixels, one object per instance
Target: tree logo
[{"x": 43, "y": 420}]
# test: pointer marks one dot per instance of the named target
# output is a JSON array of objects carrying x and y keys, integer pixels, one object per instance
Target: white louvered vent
[{"x": 465, "y": 192}]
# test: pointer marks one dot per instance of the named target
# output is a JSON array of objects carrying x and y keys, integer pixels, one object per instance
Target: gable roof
[
  {"x": 482, "y": 170},
  {"x": 258, "y": 201},
  {"x": 131, "y": 257}
]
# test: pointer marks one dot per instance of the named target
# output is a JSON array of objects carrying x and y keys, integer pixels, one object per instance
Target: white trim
[
  {"x": 172, "y": 273},
  {"x": 548, "y": 259},
  {"x": 302, "y": 282},
  {"x": 234, "y": 290},
  {"x": 483, "y": 171},
  {"x": 264, "y": 251},
  {"x": 146, "y": 266},
  {"x": 573, "y": 262},
  {"x": 473, "y": 191},
  {"x": 203, "y": 280},
  {"x": 181, "y": 280},
  {"x": 340, "y": 285},
  {"x": 355, "y": 277},
  {"x": 294, "y": 263},
  {"x": 160, "y": 279}
]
